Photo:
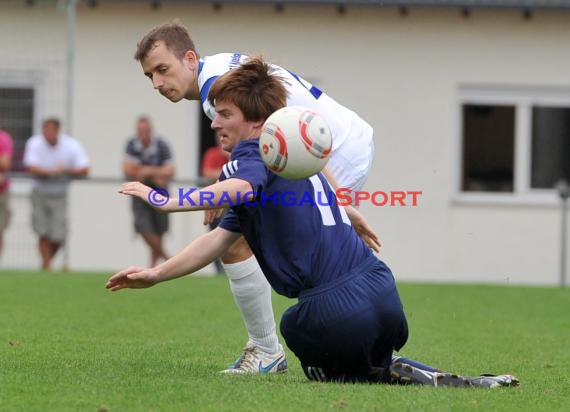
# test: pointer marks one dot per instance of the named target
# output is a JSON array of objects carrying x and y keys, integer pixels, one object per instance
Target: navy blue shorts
[{"x": 349, "y": 326}]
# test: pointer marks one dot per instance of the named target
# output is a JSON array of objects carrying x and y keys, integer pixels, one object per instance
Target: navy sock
[{"x": 378, "y": 375}]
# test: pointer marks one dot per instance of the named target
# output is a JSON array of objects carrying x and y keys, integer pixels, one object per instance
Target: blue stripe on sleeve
[
  {"x": 206, "y": 88},
  {"x": 314, "y": 90}
]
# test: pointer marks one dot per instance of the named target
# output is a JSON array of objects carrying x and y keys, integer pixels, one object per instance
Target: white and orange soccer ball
[{"x": 295, "y": 142}]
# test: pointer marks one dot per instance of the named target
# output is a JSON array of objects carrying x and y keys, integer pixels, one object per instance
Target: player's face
[
  {"x": 175, "y": 79},
  {"x": 231, "y": 127}
]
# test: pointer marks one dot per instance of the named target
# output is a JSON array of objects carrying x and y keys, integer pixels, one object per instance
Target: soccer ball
[{"x": 295, "y": 143}]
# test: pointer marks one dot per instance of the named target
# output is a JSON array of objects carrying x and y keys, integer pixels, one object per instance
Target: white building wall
[{"x": 402, "y": 74}]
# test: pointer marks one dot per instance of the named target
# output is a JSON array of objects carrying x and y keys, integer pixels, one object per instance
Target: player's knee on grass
[
  {"x": 349, "y": 330},
  {"x": 238, "y": 252},
  {"x": 318, "y": 342}
]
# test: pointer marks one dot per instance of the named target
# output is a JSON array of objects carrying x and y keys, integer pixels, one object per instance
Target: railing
[{"x": 99, "y": 219}]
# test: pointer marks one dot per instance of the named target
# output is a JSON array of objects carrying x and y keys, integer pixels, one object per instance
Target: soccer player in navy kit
[
  {"x": 349, "y": 318},
  {"x": 168, "y": 57}
]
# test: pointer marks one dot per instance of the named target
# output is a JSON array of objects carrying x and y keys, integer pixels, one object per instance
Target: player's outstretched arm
[
  {"x": 133, "y": 277},
  {"x": 193, "y": 257},
  {"x": 147, "y": 194},
  {"x": 216, "y": 196}
]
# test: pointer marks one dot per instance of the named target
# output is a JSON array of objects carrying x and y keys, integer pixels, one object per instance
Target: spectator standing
[
  {"x": 148, "y": 159},
  {"x": 53, "y": 159}
]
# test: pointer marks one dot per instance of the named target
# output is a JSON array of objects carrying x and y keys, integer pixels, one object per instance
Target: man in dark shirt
[{"x": 148, "y": 159}]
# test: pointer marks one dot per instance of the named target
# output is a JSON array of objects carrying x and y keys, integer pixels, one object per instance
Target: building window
[
  {"x": 488, "y": 148},
  {"x": 513, "y": 141},
  {"x": 550, "y": 146},
  {"x": 17, "y": 118}
]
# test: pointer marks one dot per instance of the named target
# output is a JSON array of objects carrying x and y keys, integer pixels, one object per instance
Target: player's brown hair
[
  {"x": 253, "y": 88},
  {"x": 174, "y": 35}
]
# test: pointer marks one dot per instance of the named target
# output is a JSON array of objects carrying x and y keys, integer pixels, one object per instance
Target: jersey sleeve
[
  {"x": 206, "y": 106},
  {"x": 246, "y": 164},
  {"x": 230, "y": 222},
  {"x": 209, "y": 69}
]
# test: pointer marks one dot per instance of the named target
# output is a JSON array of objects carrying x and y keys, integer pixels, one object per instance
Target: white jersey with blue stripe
[
  {"x": 300, "y": 236},
  {"x": 352, "y": 136}
]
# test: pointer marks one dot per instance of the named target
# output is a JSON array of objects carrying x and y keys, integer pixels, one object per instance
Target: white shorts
[{"x": 351, "y": 163}]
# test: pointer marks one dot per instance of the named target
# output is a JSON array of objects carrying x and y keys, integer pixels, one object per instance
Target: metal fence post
[
  {"x": 564, "y": 193},
  {"x": 71, "y": 14}
]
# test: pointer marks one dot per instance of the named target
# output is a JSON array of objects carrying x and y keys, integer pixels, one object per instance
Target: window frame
[
  {"x": 31, "y": 79},
  {"x": 523, "y": 99}
]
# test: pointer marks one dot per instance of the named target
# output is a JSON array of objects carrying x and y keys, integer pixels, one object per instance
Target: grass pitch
[{"x": 67, "y": 344}]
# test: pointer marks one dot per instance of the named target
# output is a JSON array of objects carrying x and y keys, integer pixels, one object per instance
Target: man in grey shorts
[
  {"x": 147, "y": 220},
  {"x": 148, "y": 159},
  {"x": 53, "y": 159}
]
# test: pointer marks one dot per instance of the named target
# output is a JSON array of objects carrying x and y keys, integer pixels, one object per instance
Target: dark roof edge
[{"x": 513, "y": 4}]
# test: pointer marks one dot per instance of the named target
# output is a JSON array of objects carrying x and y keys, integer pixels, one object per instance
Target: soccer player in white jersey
[
  {"x": 169, "y": 58},
  {"x": 349, "y": 318}
]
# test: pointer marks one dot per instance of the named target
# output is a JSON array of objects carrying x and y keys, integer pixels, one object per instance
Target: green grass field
[{"x": 67, "y": 344}]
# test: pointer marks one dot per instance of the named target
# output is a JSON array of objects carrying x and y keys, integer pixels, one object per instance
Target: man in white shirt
[{"x": 53, "y": 159}]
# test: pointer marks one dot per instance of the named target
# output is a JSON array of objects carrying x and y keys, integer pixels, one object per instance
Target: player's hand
[
  {"x": 212, "y": 214},
  {"x": 363, "y": 229},
  {"x": 132, "y": 278},
  {"x": 136, "y": 189}
]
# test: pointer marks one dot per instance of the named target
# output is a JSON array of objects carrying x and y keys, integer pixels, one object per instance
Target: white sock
[{"x": 252, "y": 294}]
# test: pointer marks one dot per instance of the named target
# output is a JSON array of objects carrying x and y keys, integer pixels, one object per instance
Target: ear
[{"x": 191, "y": 60}]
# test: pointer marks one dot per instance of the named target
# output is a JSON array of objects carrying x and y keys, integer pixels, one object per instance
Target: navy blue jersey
[{"x": 300, "y": 236}]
